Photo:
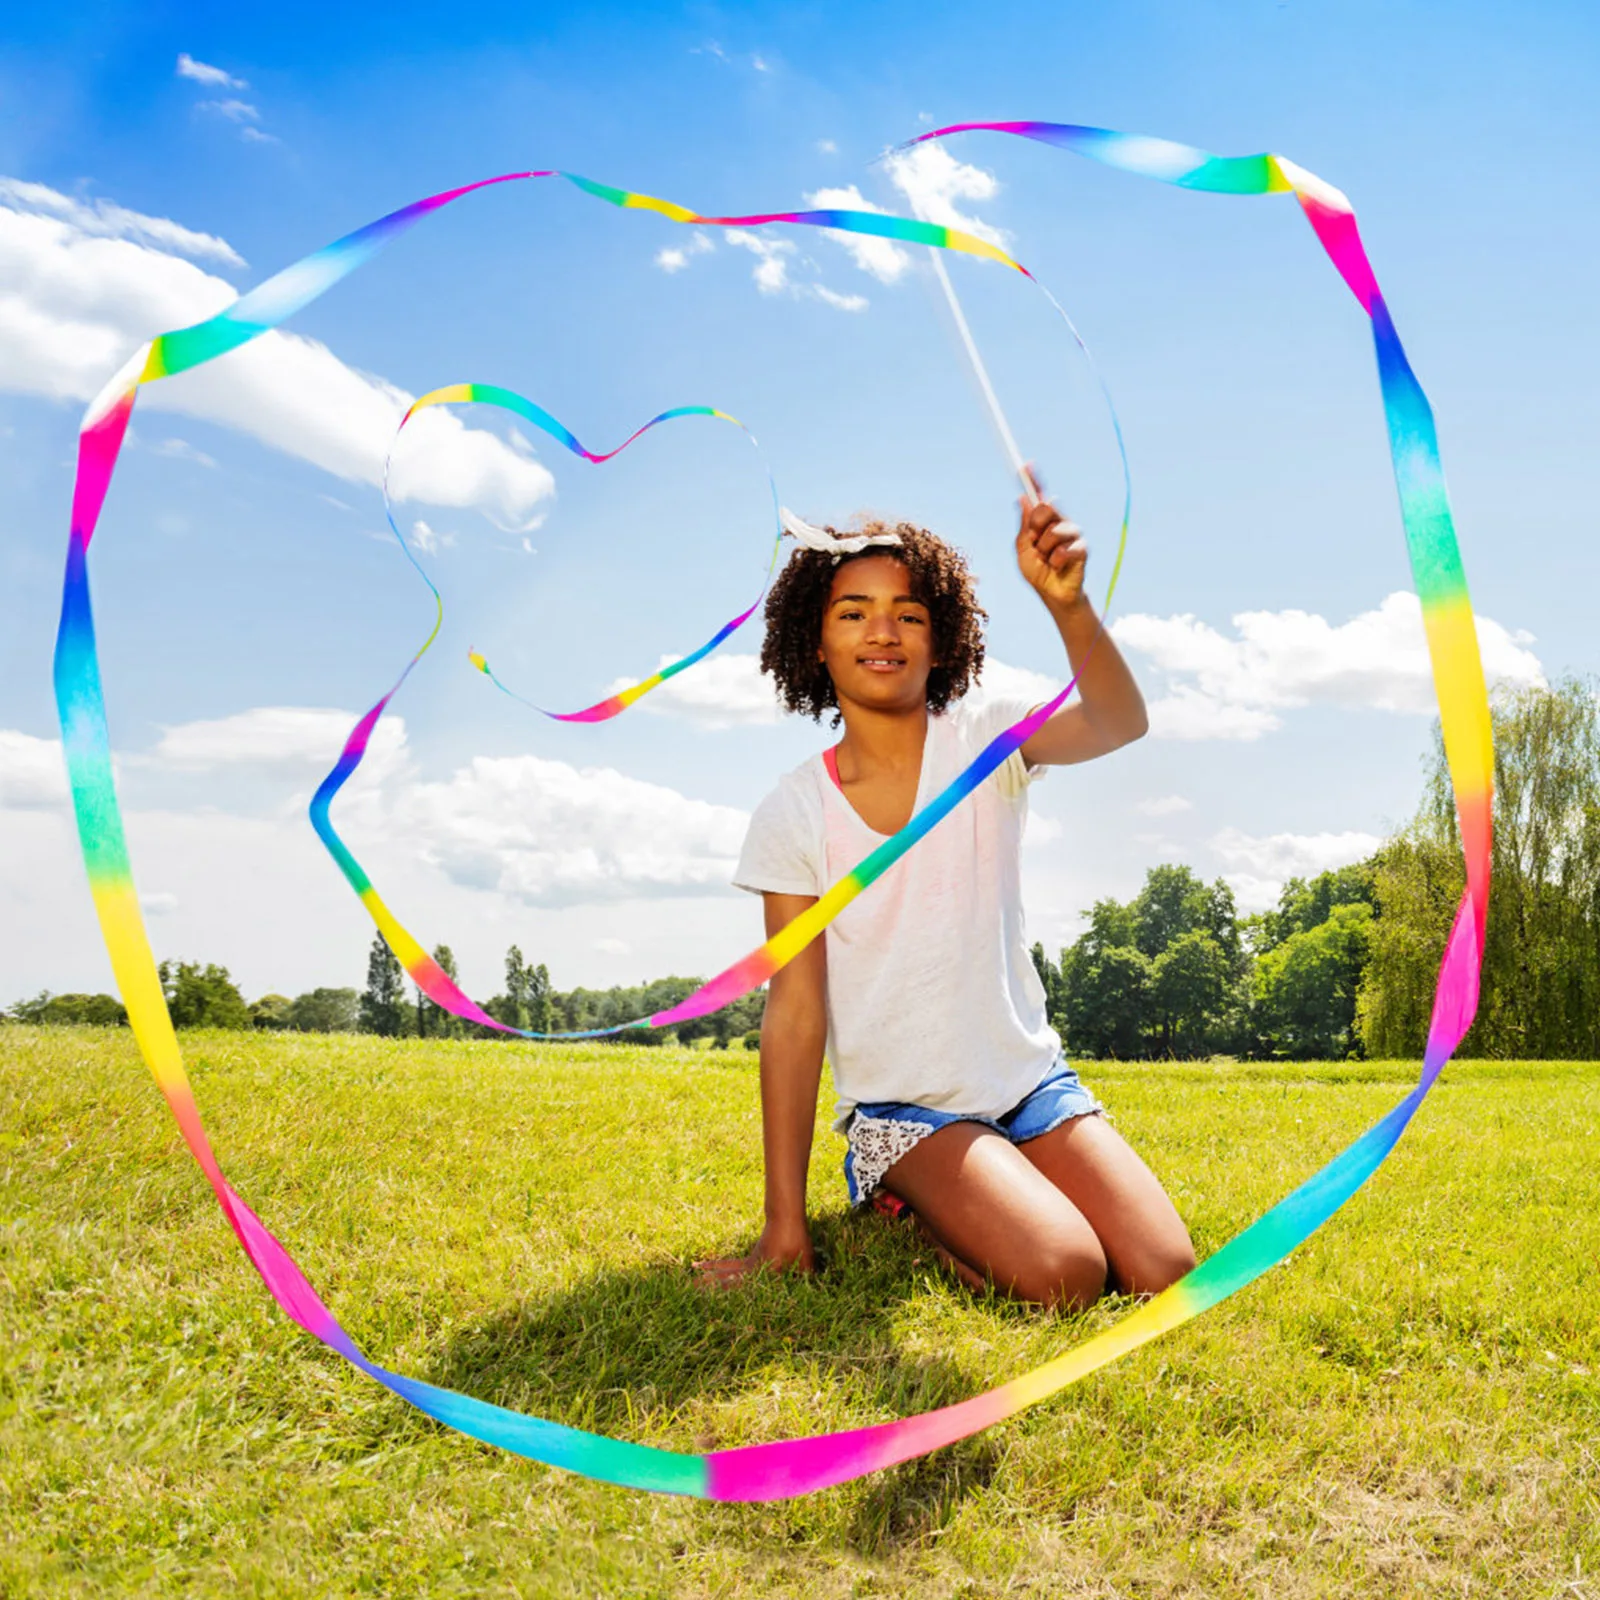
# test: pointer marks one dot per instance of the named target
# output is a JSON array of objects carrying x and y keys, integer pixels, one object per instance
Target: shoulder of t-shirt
[
  {"x": 797, "y": 792},
  {"x": 792, "y": 809}
]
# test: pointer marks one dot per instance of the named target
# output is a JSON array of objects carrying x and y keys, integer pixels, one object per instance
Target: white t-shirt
[{"x": 932, "y": 996}]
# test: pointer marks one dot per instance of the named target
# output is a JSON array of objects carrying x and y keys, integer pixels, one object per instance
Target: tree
[
  {"x": 326, "y": 1011},
  {"x": 1050, "y": 978},
  {"x": 531, "y": 1003},
  {"x": 1104, "y": 990},
  {"x": 382, "y": 1009},
  {"x": 271, "y": 1012},
  {"x": 1305, "y": 987},
  {"x": 1111, "y": 926},
  {"x": 516, "y": 995},
  {"x": 1540, "y": 994},
  {"x": 1164, "y": 972},
  {"x": 93, "y": 1010},
  {"x": 1302, "y": 906},
  {"x": 1174, "y": 902},
  {"x": 202, "y": 997},
  {"x": 538, "y": 998},
  {"x": 432, "y": 1019},
  {"x": 1189, "y": 984}
]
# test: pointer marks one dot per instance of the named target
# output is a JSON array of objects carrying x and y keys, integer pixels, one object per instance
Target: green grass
[{"x": 1409, "y": 1407}]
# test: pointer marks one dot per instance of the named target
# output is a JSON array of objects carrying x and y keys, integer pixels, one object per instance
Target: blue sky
[{"x": 158, "y": 158}]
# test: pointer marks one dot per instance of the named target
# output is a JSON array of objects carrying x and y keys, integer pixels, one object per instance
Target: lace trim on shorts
[{"x": 876, "y": 1143}]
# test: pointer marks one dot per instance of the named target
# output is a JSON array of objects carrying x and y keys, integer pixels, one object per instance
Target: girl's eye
[{"x": 911, "y": 616}]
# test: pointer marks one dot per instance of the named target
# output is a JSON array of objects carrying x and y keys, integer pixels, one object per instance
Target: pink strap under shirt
[{"x": 830, "y": 759}]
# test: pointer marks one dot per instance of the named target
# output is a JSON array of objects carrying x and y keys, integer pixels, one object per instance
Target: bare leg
[
  {"x": 1146, "y": 1244},
  {"x": 1000, "y": 1216}
]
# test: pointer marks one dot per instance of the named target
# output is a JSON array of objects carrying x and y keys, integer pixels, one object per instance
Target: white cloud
[
  {"x": 883, "y": 258},
  {"x": 1001, "y": 681},
  {"x": 540, "y": 832},
  {"x": 612, "y": 947},
  {"x": 1168, "y": 805},
  {"x": 674, "y": 258},
  {"x": 429, "y": 540},
  {"x": 772, "y": 270},
  {"x": 203, "y": 72},
  {"x": 827, "y": 147},
  {"x": 546, "y": 833},
  {"x": 231, "y": 110},
  {"x": 1270, "y": 860},
  {"x": 1234, "y": 688},
  {"x": 32, "y": 772},
  {"x": 256, "y": 136},
  {"x": 158, "y": 903},
  {"x": 76, "y": 303},
  {"x": 1186, "y": 713},
  {"x": 723, "y": 691},
  {"x": 181, "y": 450},
  {"x": 772, "y": 267},
  {"x": 933, "y": 181},
  {"x": 758, "y": 62},
  {"x": 293, "y": 740},
  {"x": 840, "y": 302},
  {"x": 104, "y": 220}
]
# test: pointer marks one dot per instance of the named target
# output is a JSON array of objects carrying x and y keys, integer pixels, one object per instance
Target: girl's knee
[
  {"x": 1158, "y": 1265},
  {"x": 1067, "y": 1273}
]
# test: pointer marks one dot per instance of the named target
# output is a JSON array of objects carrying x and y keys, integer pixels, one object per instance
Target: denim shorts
[{"x": 880, "y": 1133}]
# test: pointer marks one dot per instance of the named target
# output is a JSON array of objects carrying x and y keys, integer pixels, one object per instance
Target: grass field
[{"x": 1410, "y": 1406}]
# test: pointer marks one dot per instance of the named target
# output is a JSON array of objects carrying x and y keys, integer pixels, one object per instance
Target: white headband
[{"x": 834, "y": 544}]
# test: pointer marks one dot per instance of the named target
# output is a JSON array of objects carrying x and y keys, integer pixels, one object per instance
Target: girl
[{"x": 954, "y": 1095}]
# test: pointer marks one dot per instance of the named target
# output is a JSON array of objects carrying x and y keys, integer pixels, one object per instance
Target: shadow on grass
[{"x": 641, "y": 1344}]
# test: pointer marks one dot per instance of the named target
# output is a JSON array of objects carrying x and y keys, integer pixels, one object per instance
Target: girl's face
[{"x": 877, "y": 641}]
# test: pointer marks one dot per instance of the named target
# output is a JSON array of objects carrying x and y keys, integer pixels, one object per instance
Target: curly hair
[{"x": 939, "y": 580}]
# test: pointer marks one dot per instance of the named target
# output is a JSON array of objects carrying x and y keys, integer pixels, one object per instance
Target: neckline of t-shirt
[{"x": 830, "y": 766}]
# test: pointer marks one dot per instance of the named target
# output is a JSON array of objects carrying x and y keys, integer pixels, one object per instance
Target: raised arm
[
  {"x": 1109, "y": 710},
  {"x": 794, "y": 1034}
]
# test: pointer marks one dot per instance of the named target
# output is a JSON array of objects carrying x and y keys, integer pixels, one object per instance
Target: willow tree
[{"x": 1541, "y": 972}]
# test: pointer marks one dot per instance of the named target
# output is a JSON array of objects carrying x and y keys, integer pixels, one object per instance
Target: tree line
[
  {"x": 1343, "y": 965},
  {"x": 1346, "y": 963},
  {"x": 530, "y": 1002},
  {"x": 1177, "y": 972},
  {"x": 207, "y": 997}
]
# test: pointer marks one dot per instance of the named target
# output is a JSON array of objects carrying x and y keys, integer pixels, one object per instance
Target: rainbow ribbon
[
  {"x": 488, "y": 394},
  {"x": 424, "y": 971},
  {"x": 797, "y": 1466}
]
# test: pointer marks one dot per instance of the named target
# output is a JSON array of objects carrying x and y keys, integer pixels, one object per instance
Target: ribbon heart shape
[{"x": 785, "y": 1467}]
